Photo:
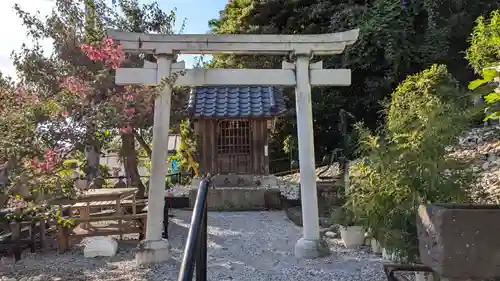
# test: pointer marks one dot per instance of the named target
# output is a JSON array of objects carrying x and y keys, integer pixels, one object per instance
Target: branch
[{"x": 143, "y": 143}]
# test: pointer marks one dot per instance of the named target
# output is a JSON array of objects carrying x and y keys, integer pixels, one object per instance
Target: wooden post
[
  {"x": 32, "y": 240},
  {"x": 15, "y": 229},
  {"x": 119, "y": 212},
  {"x": 134, "y": 204},
  {"x": 43, "y": 233},
  {"x": 85, "y": 213},
  {"x": 63, "y": 237}
]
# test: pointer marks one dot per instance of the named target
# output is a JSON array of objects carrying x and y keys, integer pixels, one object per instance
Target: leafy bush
[
  {"x": 484, "y": 56},
  {"x": 407, "y": 163},
  {"x": 344, "y": 216},
  {"x": 484, "y": 49}
]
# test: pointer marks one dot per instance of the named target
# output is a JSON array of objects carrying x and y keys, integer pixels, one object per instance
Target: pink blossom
[{"x": 106, "y": 52}]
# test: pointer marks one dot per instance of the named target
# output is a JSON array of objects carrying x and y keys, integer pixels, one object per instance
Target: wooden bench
[
  {"x": 13, "y": 242},
  {"x": 137, "y": 224},
  {"x": 130, "y": 205}
]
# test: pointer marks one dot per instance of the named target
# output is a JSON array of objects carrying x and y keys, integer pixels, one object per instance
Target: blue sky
[{"x": 196, "y": 12}]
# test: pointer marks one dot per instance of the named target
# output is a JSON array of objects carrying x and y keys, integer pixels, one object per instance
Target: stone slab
[{"x": 460, "y": 241}]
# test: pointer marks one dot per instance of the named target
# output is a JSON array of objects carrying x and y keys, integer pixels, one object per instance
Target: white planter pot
[
  {"x": 376, "y": 249},
  {"x": 352, "y": 236},
  {"x": 424, "y": 276},
  {"x": 388, "y": 256},
  {"x": 368, "y": 240}
]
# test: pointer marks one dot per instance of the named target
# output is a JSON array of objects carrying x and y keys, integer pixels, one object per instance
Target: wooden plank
[
  {"x": 255, "y": 149},
  {"x": 212, "y": 140},
  {"x": 100, "y": 203},
  {"x": 94, "y": 204},
  {"x": 107, "y": 212},
  {"x": 129, "y": 202},
  {"x": 106, "y": 193},
  {"x": 111, "y": 218},
  {"x": 235, "y": 77},
  {"x": 265, "y": 158},
  {"x": 138, "y": 201},
  {"x": 105, "y": 231}
]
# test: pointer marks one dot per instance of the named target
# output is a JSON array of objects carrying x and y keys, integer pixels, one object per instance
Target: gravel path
[{"x": 255, "y": 246}]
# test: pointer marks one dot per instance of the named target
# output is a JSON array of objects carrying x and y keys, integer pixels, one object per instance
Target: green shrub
[{"x": 407, "y": 163}]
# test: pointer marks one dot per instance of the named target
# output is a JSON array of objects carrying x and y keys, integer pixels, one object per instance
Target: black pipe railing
[{"x": 195, "y": 252}]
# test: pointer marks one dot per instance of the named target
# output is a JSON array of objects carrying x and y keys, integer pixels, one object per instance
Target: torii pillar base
[
  {"x": 151, "y": 252},
  {"x": 311, "y": 249}
]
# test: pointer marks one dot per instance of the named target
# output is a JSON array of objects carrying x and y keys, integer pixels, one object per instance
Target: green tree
[
  {"x": 484, "y": 56},
  {"x": 395, "y": 40}
]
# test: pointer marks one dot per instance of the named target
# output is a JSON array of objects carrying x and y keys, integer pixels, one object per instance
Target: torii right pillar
[{"x": 310, "y": 245}]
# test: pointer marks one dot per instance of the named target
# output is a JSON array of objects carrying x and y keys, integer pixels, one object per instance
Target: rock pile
[
  {"x": 482, "y": 147},
  {"x": 323, "y": 171}
]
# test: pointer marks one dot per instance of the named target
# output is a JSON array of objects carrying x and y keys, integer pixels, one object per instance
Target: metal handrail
[{"x": 195, "y": 251}]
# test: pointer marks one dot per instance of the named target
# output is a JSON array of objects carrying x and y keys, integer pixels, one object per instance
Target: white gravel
[{"x": 242, "y": 246}]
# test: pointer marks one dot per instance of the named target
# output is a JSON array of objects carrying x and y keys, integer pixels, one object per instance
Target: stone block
[
  {"x": 100, "y": 246},
  {"x": 239, "y": 198},
  {"x": 460, "y": 241}
]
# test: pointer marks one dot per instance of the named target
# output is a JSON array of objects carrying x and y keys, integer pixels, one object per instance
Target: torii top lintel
[{"x": 314, "y": 44}]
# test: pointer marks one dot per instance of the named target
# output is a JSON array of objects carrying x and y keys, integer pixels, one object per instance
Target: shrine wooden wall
[{"x": 208, "y": 155}]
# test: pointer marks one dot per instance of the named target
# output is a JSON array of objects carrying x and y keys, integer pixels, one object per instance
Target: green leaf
[
  {"x": 494, "y": 115},
  {"x": 477, "y": 83},
  {"x": 489, "y": 74},
  {"x": 492, "y": 98}
]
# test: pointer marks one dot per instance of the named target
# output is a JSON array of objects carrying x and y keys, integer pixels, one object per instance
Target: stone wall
[
  {"x": 460, "y": 241},
  {"x": 239, "y": 199}
]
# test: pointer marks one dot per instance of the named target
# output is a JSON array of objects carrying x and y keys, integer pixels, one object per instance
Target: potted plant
[{"x": 352, "y": 235}]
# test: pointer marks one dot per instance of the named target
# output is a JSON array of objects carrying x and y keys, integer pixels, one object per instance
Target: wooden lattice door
[{"x": 234, "y": 146}]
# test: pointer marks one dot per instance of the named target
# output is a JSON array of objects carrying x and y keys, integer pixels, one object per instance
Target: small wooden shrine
[{"x": 232, "y": 125}]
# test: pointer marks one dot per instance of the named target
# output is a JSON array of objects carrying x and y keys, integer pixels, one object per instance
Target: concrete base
[
  {"x": 310, "y": 249},
  {"x": 100, "y": 246},
  {"x": 151, "y": 252}
]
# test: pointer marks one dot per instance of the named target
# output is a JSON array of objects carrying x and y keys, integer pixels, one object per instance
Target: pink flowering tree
[
  {"x": 29, "y": 153},
  {"x": 124, "y": 109},
  {"x": 77, "y": 80}
]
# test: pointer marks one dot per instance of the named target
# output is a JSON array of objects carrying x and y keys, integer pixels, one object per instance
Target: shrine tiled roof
[{"x": 249, "y": 101}]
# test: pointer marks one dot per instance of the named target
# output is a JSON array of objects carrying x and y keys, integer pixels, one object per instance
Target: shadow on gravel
[{"x": 74, "y": 266}]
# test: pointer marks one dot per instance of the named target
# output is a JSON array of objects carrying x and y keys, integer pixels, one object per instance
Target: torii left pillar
[{"x": 154, "y": 248}]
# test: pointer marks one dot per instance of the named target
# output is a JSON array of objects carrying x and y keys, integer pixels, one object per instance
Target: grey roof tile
[{"x": 241, "y": 101}]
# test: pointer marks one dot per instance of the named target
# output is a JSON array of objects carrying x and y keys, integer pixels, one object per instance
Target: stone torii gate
[{"x": 300, "y": 74}]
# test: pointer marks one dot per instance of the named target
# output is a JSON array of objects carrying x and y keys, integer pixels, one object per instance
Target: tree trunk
[
  {"x": 131, "y": 171},
  {"x": 143, "y": 144},
  {"x": 93, "y": 156}
]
